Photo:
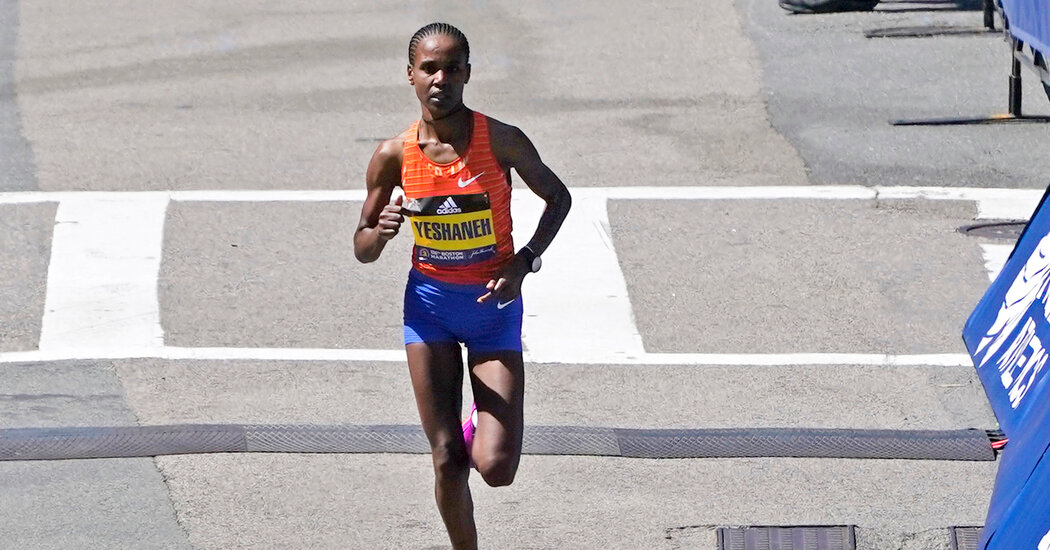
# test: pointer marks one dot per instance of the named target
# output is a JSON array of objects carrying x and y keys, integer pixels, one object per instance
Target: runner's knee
[{"x": 498, "y": 471}]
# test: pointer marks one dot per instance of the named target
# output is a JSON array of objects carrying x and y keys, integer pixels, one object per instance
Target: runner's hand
[
  {"x": 506, "y": 287},
  {"x": 390, "y": 219}
]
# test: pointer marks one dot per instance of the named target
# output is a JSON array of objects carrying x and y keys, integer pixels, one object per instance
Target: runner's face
[{"x": 440, "y": 71}]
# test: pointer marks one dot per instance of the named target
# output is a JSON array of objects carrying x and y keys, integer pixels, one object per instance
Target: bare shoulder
[
  {"x": 390, "y": 150},
  {"x": 510, "y": 145},
  {"x": 502, "y": 133},
  {"x": 386, "y": 161}
]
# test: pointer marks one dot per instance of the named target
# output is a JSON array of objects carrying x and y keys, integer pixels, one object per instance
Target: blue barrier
[
  {"x": 1029, "y": 22},
  {"x": 1008, "y": 337},
  {"x": 1027, "y": 524},
  {"x": 1019, "y": 462},
  {"x": 1006, "y": 331}
]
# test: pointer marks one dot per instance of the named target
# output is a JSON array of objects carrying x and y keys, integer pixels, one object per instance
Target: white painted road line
[
  {"x": 816, "y": 192},
  {"x": 236, "y": 195},
  {"x": 1018, "y": 207},
  {"x": 102, "y": 302},
  {"x": 398, "y": 356},
  {"x": 283, "y": 354},
  {"x": 102, "y": 278},
  {"x": 789, "y": 359},
  {"x": 336, "y": 195},
  {"x": 992, "y": 203}
]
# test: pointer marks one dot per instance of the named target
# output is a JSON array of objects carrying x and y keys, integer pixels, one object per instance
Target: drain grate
[
  {"x": 833, "y": 537},
  {"x": 965, "y": 538},
  {"x": 1009, "y": 230}
]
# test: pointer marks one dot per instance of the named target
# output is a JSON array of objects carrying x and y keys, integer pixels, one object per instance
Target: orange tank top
[{"x": 461, "y": 210}]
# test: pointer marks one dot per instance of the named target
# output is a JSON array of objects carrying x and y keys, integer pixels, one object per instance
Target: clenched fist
[{"x": 390, "y": 219}]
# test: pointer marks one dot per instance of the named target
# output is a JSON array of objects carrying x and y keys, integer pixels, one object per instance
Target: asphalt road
[{"x": 130, "y": 97}]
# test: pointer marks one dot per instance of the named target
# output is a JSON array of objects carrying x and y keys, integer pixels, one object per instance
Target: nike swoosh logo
[
  {"x": 470, "y": 181},
  {"x": 502, "y": 305}
]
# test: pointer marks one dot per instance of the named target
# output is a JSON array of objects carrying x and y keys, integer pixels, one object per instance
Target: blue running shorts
[{"x": 436, "y": 311}]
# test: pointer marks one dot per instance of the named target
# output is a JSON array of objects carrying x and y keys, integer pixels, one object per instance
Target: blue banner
[
  {"x": 1008, "y": 337},
  {"x": 1030, "y": 22},
  {"x": 1025, "y": 524},
  {"x": 1018, "y": 464}
]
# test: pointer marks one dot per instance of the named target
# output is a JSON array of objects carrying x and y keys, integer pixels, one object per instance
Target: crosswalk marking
[
  {"x": 101, "y": 299},
  {"x": 577, "y": 308},
  {"x": 995, "y": 256},
  {"x": 102, "y": 278}
]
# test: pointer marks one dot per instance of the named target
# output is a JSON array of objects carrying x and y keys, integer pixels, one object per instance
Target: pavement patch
[
  {"x": 61, "y": 394},
  {"x": 386, "y": 501},
  {"x": 280, "y": 98},
  {"x": 277, "y": 275},
  {"x": 808, "y": 265},
  {"x": 836, "y": 113},
  {"x": 118, "y": 503},
  {"x": 291, "y": 392},
  {"x": 78, "y": 503},
  {"x": 227, "y": 97}
]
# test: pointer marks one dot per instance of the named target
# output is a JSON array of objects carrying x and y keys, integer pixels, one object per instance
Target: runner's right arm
[{"x": 380, "y": 219}]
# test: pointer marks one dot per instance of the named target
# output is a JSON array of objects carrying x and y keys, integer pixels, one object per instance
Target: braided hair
[{"x": 433, "y": 29}]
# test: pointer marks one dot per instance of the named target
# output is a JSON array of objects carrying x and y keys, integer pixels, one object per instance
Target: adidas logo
[{"x": 449, "y": 207}]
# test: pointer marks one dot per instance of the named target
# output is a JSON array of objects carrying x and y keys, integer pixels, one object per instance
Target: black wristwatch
[{"x": 531, "y": 259}]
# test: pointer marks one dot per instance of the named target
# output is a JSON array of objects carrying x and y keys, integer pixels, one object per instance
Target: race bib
[{"x": 453, "y": 230}]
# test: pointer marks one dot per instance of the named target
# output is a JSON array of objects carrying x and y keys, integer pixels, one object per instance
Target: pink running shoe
[{"x": 470, "y": 425}]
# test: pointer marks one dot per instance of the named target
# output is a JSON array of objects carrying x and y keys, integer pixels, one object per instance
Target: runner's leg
[
  {"x": 437, "y": 380},
  {"x": 498, "y": 382}
]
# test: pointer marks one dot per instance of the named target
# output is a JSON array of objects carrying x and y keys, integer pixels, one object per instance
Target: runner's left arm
[{"x": 514, "y": 150}]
